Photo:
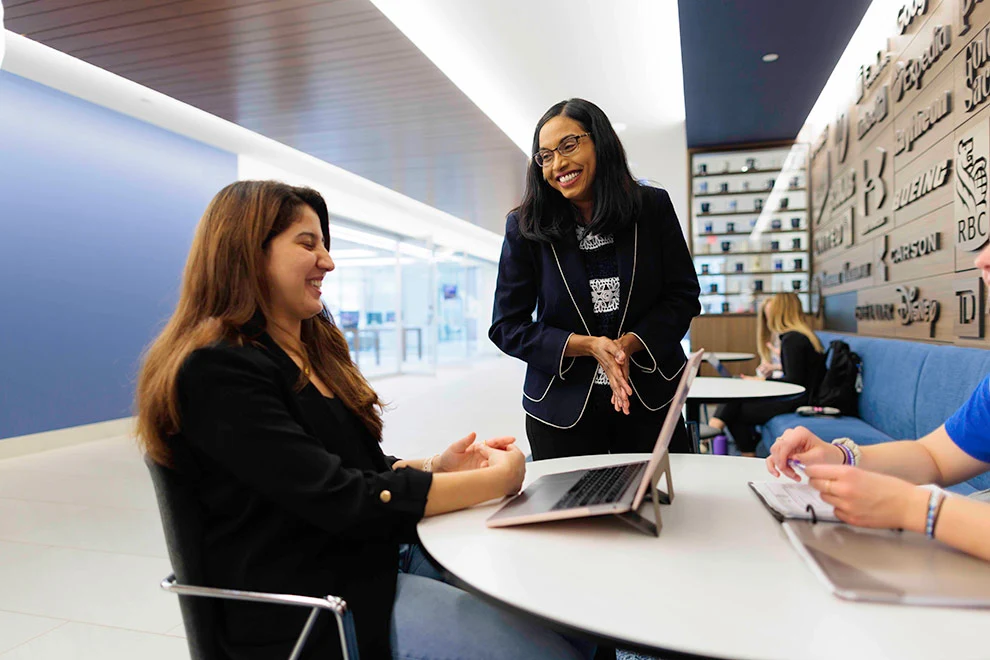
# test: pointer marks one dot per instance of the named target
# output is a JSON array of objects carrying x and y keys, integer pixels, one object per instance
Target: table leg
[{"x": 693, "y": 411}]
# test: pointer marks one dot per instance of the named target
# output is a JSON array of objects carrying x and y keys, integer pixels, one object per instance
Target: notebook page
[{"x": 791, "y": 500}]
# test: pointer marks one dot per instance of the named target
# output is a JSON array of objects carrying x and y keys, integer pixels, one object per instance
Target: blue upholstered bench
[{"x": 909, "y": 390}]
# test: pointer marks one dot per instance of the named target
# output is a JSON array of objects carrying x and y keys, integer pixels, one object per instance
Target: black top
[
  {"x": 800, "y": 362},
  {"x": 291, "y": 488},
  {"x": 602, "y": 266}
]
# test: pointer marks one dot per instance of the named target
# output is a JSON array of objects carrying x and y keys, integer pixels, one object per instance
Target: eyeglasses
[{"x": 567, "y": 146}]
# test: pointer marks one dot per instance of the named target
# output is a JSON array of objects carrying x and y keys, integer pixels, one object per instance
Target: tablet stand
[{"x": 657, "y": 497}]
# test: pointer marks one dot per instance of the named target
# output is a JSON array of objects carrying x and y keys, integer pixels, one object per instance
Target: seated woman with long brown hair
[
  {"x": 802, "y": 361},
  {"x": 251, "y": 394}
]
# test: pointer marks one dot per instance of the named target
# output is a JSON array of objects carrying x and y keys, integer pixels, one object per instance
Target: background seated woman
[{"x": 801, "y": 360}]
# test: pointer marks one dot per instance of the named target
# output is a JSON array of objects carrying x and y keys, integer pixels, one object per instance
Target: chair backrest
[{"x": 183, "y": 525}]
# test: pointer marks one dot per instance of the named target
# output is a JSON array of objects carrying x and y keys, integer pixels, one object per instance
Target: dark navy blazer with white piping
[{"x": 659, "y": 299}]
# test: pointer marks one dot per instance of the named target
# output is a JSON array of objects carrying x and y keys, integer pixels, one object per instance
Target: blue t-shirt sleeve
[{"x": 969, "y": 427}]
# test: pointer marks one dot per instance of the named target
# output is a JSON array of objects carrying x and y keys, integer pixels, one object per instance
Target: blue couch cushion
[
  {"x": 826, "y": 428},
  {"x": 891, "y": 368},
  {"x": 947, "y": 379}
]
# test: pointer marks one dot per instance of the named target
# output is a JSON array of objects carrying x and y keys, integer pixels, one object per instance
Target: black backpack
[{"x": 843, "y": 381}]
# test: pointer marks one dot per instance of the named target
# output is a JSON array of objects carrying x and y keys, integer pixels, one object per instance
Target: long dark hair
[
  {"x": 223, "y": 289},
  {"x": 545, "y": 214}
]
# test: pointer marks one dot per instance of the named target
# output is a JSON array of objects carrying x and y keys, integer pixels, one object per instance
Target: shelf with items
[
  {"x": 715, "y": 255},
  {"x": 732, "y": 193},
  {"x": 742, "y": 302},
  {"x": 768, "y": 188},
  {"x": 755, "y": 170},
  {"x": 752, "y": 272},
  {"x": 754, "y": 294},
  {"x": 750, "y": 233},
  {"x": 754, "y": 212}
]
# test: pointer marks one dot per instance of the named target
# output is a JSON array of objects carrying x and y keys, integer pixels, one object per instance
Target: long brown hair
[
  {"x": 783, "y": 313},
  {"x": 225, "y": 286}
]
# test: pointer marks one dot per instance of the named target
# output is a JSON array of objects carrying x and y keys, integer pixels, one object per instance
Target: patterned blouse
[{"x": 602, "y": 266}]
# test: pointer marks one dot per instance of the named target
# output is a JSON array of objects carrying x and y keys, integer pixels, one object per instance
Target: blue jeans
[{"x": 433, "y": 620}]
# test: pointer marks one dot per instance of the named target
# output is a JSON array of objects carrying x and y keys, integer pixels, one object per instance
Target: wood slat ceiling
[{"x": 333, "y": 78}]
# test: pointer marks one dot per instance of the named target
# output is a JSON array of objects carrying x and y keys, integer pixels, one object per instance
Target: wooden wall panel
[
  {"x": 726, "y": 332},
  {"x": 911, "y": 247},
  {"x": 910, "y": 183},
  {"x": 845, "y": 272},
  {"x": 938, "y": 101},
  {"x": 875, "y": 186}
]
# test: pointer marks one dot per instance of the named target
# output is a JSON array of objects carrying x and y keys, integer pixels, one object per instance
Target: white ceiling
[{"x": 516, "y": 58}]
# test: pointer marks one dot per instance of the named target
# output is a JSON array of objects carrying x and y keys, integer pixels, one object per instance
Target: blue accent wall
[{"x": 97, "y": 213}]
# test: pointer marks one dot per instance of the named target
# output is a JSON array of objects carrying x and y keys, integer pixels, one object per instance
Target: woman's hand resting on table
[{"x": 508, "y": 462}]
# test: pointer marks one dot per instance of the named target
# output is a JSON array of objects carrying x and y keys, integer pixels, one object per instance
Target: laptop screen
[{"x": 673, "y": 418}]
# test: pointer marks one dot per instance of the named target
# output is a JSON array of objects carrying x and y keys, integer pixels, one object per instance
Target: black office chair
[{"x": 183, "y": 525}]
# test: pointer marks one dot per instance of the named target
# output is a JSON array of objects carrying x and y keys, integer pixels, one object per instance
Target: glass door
[
  {"x": 362, "y": 294},
  {"x": 417, "y": 331}
]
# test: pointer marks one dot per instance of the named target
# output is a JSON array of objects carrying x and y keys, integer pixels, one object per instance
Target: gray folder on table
[{"x": 890, "y": 566}]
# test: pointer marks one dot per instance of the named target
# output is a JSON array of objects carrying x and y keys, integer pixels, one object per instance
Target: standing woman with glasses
[{"x": 604, "y": 263}]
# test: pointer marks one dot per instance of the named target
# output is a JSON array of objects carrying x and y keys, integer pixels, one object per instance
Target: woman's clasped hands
[
  {"x": 614, "y": 360},
  {"x": 495, "y": 453}
]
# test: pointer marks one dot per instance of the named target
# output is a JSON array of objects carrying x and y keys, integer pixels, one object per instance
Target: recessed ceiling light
[
  {"x": 770, "y": 57},
  {"x": 619, "y": 127}
]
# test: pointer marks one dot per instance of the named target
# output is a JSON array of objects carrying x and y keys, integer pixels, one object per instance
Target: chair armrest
[
  {"x": 337, "y": 605},
  {"x": 345, "y": 620}
]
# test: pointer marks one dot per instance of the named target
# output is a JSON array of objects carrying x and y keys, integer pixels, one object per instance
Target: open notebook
[{"x": 793, "y": 501}]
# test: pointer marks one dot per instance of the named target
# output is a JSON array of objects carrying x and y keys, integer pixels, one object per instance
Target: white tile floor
[{"x": 81, "y": 546}]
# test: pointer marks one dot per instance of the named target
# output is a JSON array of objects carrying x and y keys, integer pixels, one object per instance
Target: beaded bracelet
[
  {"x": 850, "y": 449},
  {"x": 847, "y": 456},
  {"x": 934, "y": 508}
]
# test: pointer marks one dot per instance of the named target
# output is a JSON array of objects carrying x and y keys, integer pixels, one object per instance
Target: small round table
[
  {"x": 730, "y": 357},
  {"x": 719, "y": 390},
  {"x": 708, "y": 389},
  {"x": 720, "y": 581}
]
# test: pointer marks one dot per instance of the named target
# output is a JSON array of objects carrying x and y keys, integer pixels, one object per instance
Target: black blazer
[
  {"x": 291, "y": 488},
  {"x": 659, "y": 296}
]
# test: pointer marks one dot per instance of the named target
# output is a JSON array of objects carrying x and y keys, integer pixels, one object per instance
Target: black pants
[
  {"x": 604, "y": 431},
  {"x": 742, "y": 417}
]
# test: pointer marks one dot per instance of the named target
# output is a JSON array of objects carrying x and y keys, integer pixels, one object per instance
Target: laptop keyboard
[{"x": 599, "y": 486}]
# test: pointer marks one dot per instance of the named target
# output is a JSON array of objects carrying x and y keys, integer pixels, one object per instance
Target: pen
[{"x": 797, "y": 465}]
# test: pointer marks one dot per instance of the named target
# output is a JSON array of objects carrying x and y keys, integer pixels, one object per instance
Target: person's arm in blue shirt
[{"x": 882, "y": 492}]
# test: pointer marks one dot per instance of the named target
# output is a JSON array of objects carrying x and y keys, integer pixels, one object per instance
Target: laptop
[
  {"x": 890, "y": 566},
  {"x": 617, "y": 490}
]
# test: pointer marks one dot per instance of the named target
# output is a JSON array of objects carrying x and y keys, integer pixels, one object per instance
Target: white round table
[
  {"x": 730, "y": 357},
  {"x": 721, "y": 580},
  {"x": 719, "y": 390}
]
